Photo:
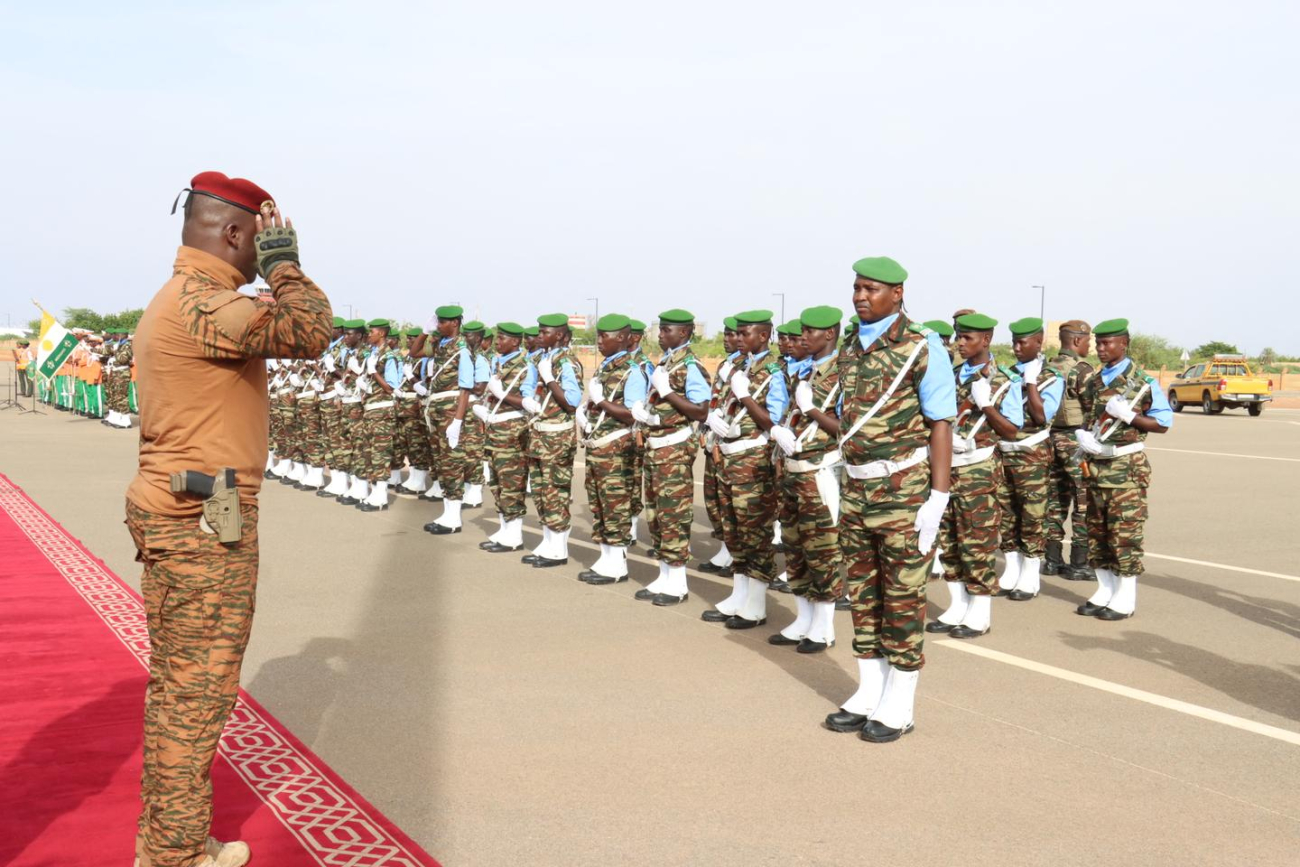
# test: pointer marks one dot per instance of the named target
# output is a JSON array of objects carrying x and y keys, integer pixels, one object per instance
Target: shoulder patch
[
  {"x": 772, "y": 367},
  {"x": 919, "y": 328}
]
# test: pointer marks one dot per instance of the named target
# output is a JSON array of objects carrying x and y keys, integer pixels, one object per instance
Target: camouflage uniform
[
  {"x": 411, "y": 437},
  {"x": 552, "y": 444},
  {"x": 450, "y": 466},
  {"x": 611, "y": 461},
  {"x": 640, "y": 472},
  {"x": 118, "y": 382},
  {"x": 1023, "y": 482},
  {"x": 506, "y": 446},
  {"x": 378, "y": 423},
  {"x": 886, "y": 572},
  {"x": 1067, "y": 490},
  {"x": 669, "y": 466},
  {"x": 712, "y": 465},
  {"x": 331, "y": 410}
]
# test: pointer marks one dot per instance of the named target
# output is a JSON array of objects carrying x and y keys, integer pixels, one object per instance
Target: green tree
[
  {"x": 1268, "y": 356},
  {"x": 1154, "y": 352},
  {"x": 1214, "y": 347}
]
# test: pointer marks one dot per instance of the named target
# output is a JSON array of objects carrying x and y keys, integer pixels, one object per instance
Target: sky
[{"x": 1138, "y": 159}]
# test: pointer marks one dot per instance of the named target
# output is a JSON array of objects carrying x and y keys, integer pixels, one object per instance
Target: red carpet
[{"x": 73, "y": 650}]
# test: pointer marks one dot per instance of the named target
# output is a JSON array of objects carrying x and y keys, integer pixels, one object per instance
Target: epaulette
[
  {"x": 691, "y": 360},
  {"x": 460, "y": 343},
  {"x": 919, "y": 328},
  {"x": 1009, "y": 373}
]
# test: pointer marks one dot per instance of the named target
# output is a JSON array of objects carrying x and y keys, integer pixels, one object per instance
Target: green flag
[{"x": 56, "y": 344}]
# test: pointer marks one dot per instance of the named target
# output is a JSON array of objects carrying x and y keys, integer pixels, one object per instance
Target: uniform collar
[
  {"x": 612, "y": 358},
  {"x": 870, "y": 332},
  {"x": 192, "y": 261},
  {"x": 967, "y": 371}
]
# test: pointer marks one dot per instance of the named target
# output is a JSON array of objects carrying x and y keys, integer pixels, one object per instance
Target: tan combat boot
[{"x": 220, "y": 854}]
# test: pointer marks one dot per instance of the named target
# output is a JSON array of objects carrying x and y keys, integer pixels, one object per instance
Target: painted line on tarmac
[
  {"x": 1225, "y": 454},
  {"x": 1224, "y": 566},
  {"x": 1205, "y": 713}
]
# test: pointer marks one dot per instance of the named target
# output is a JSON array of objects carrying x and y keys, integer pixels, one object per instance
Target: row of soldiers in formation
[
  {"x": 97, "y": 380},
  {"x": 870, "y": 452}
]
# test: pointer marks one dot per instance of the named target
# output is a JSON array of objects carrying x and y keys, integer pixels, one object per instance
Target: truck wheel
[
  {"x": 1256, "y": 409},
  {"x": 1173, "y": 401},
  {"x": 1210, "y": 406}
]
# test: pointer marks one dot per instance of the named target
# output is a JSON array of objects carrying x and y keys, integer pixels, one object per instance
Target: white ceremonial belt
[
  {"x": 735, "y": 447},
  {"x": 1112, "y": 452},
  {"x": 881, "y": 469},
  {"x": 607, "y": 438},
  {"x": 974, "y": 456},
  {"x": 829, "y": 459},
  {"x": 352, "y": 400},
  {"x": 1027, "y": 444},
  {"x": 404, "y": 395},
  {"x": 329, "y": 395},
  {"x": 681, "y": 435},
  {"x": 553, "y": 426},
  {"x": 443, "y": 395},
  {"x": 286, "y": 391},
  {"x": 306, "y": 395},
  {"x": 494, "y": 417},
  {"x": 380, "y": 404}
]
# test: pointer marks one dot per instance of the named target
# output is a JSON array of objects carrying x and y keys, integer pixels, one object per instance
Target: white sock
[
  {"x": 1125, "y": 599},
  {"x": 979, "y": 614},
  {"x": 723, "y": 558},
  {"x": 1030, "y": 581},
  {"x": 634, "y": 520},
  {"x": 802, "y": 620},
  {"x": 617, "y": 564},
  {"x": 501, "y": 529},
  {"x": 450, "y": 516},
  {"x": 395, "y": 478},
  {"x": 543, "y": 548},
  {"x": 872, "y": 674},
  {"x": 473, "y": 495},
  {"x": 601, "y": 562},
  {"x": 433, "y": 491},
  {"x": 416, "y": 480},
  {"x": 657, "y": 585},
  {"x": 361, "y": 487},
  {"x": 487, "y": 471},
  {"x": 755, "y": 607},
  {"x": 739, "y": 592},
  {"x": 957, "y": 607},
  {"x": 298, "y": 471},
  {"x": 270, "y": 461},
  {"x": 823, "y": 622},
  {"x": 674, "y": 581},
  {"x": 437, "y": 488},
  {"x": 1011, "y": 573},
  {"x": 776, "y": 533},
  {"x": 513, "y": 537},
  {"x": 1106, "y": 585},
  {"x": 937, "y": 567},
  {"x": 282, "y": 467},
  {"x": 561, "y": 538},
  {"x": 896, "y": 705},
  {"x": 378, "y": 494}
]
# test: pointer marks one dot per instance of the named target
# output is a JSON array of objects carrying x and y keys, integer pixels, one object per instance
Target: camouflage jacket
[
  {"x": 613, "y": 377},
  {"x": 669, "y": 418},
  {"x": 1129, "y": 470},
  {"x": 760, "y": 373},
  {"x": 551, "y": 409},
  {"x": 1029, "y": 427},
  {"x": 1076, "y": 371},
  {"x": 443, "y": 368},
  {"x": 825, "y": 380}
]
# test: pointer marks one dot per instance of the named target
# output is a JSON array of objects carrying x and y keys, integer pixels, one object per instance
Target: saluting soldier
[
  {"x": 899, "y": 401},
  {"x": 810, "y": 485},
  {"x": 1123, "y": 405},
  {"x": 989, "y": 410},
  {"x": 507, "y": 429},
  {"x": 451, "y": 382},
  {"x": 1068, "y": 492},
  {"x": 720, "y": 563}
]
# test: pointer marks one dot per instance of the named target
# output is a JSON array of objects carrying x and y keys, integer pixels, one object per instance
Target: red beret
[{"x": 239, "y": 192}]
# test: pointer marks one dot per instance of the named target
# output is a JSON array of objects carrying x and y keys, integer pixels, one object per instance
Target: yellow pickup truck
[{"x": 1223, "y": 382}]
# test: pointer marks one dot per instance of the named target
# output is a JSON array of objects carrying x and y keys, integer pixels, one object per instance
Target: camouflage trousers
[
  {"x": 1022, "y": 495},
  {"x": 609, "y": 482},
  {"x": 374, "y": 439},
  {"x": 1116, "y": 524},
  {"x": 199, "y": 597},
  {"x": 968, "y": 536},
  {"x": 507, "y": 450},
  {"x": 353, "y": 454},
  {"x": 309, "y": 421},
  {"x": 640, "y": 475},
  {"x": 748, "y": 499},
  {"x": 450, "y": 466},
  {"x": 474, "y": 434},
  {"x": 670, "y": 499},
  {"x": 712, "y": 503},
  {"x": 1067, "y": 493},
  {"x": 811, "y": 539},
  {"x": 885, "y": 570},
  {"x": 331, "y": 430},
  {"x": 411, "y": 437},
  {"x": 550, "y": 470}
]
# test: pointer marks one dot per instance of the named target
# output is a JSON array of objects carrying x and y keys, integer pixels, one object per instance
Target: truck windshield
[{"x": 1228, "y": 370}]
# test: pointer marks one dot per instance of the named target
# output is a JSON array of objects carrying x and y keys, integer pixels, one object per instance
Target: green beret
[
  {"x": 449, "y": 311},
  {"x": 532, "y": 331},
  {"x": 976, "y": 322},
  {"x": 487, "y": 333},
  {"x": 514, "y": 329},
  {"x": 1111, "y": 328},
  {"x": 613, "y": 322},
  {"x": 355, "y": 324},
  {"x": 882, "y": 269},
  {"x": 677, "y": 316},
  {"x": 473, "y": 325},
  {"x": 729, "y": 323},
  {"x": 338, "y": 321},
  {"x": 754, "y": 317},
  {"x": 553, "y": 320},
  {"x": 939, "y": 327},
  {"x": 414, "y": 331},
  {"x": 820, "y": 317},
  {"x": 1026, "y": 326},
  {"x": 637, "y": 326},
  {"x": 790, "y": 329},
  {"x": 378, "y": 323}
]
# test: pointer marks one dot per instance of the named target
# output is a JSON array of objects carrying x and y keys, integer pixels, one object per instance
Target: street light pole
[
  {"x": 1042, "y": 301},
  {"x": 782, "y": 294},
  {"x": 597, "y": 300}
]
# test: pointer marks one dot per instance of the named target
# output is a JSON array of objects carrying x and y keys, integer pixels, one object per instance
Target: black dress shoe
[
  {"x": 1078, "y": 573},
  {"x": 1021, "y": 595},
  {"x": 324, "y": 493},
  {"x": 810, "y": 646},
  {"x": 652, "y": 553},
  {"x": 602, "y": 580},
  {"x": 663, "y": 600},
  {"x": 468, "y": 506},
  {"x": 528, "y": 558},
  {"x": 498, "y": 548},
  {"x": 348, "y": 501},
  {"x": 735, "y": 621},
  {"x": 843, "y": 721},
  {"x": 781, "y": 641},
  {"x": 443, "y": 530},
  {"x": 644, "y": 595},
  {"x": 779, "y": 548},
  {"x": 709, "y": 568},
  {"x": 285, "y": 480},
  {"x": 586, "y": 575},
  {"x": 547, "y": 562},
  {"x": 367, "y": 507},
  {"x": 1112, "y": 614},
  {"x": 879, "y": 733},
  {"x": 967, "y": 632},
  {"x": 1087, "y": 609},
  {"x": 713, "y": 615},
  {"x": 435, "y": 499},
  {"x": 843, "y": 604},
  {"x": 268, "y": 475},
  {"x": 781, "y": 587},
  {"x": 483, "y": 546},
  {"x": 299, "y": 486},
  {"x": 935, "y": 626}
]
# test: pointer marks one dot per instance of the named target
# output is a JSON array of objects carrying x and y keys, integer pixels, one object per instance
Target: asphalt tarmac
[{"x": 502, "y": 714}]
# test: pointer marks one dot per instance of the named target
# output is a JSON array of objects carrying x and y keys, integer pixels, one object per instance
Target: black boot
[
  {"x": 1078, "y": 570},
  {"x": 1052, "y": 563}
]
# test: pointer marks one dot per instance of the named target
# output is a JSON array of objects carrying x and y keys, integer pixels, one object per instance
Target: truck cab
[{"x": 1223, "y": 382}]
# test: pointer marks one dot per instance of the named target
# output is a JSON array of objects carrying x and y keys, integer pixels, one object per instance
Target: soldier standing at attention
[
  {"x": 1068, "y": 491},
  {"x": 1122, "y": 405},
  {"x": 1026, "y": 464},
  {"x": 640, "y": 474},
  {"x": 899, "y": 401},
  {"x": 200, "y": 350},
  {"x": 451, "y": 382},
  {"x": 379, "y": 418},
  {"x": 679, "y": 392},
  {"x": 988, "y": 411},
  {"x": 720, "y": 563},
  {"x": 552, "y": 443},
  {"x": 606, "y": 426},
  {"x": 507, "y": 429},
  {"x": 474, "y": 433},
  {"x": 411, "y": 442},
  {"x": 790, "y": 344},
  {"x": 810, "y": 486}
]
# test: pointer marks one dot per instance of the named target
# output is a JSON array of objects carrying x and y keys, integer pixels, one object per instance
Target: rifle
[{"x": 1102, "y": 430}]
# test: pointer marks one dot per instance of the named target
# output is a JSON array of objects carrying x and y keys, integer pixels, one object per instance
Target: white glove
[
  {"x": 355, "y": 366},
  {"x": 453, "y": 433},
  {"x": 1088, "y": 441},
  {"x": 595, "y": 393},
  {"x": 718, "y": 424},
  {"x": 725, "y": 370},
  {"x": 1032, "y": 370},
  {"x": 407, "y": 370},
  {"x": 981, "y": 392},
  {"x": 660, "y": 381},
  {"x": 928, "y": 518},
  {"x": 421, "y": 389},
  {"x": 544, "y": 370},
  {"x": 803, "y": 397},
  {"x": 296, "y": 381},
  {"x": 364, "y": 385},
  {"x": 584, "y": 423},
  {"x": 480, "y": 412},
  {"x": 1118, "y": 407},
  {"x": 531, "y": 406},
  {"x": 431, "y": 324},
  {"x": 329, "y": 363},
  {"x": 495, "y": 388},
  {"x": 317, "y": 383},
  {"x": 785, "y": 438},
  {"x": 643, "y": 415},
  {"x": 272, "y": 364},
  {"x": 959, "y": 444},
  {"x": 740, "y": 384},
  {"x": 372, "y": 363}
]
